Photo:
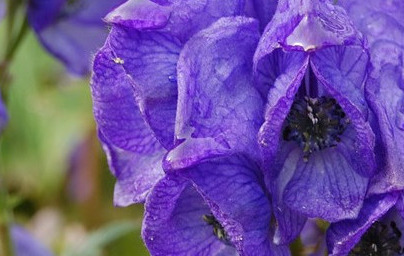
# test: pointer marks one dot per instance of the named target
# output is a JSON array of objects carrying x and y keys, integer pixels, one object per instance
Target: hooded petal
[
  {"x": 174, "y": 224},
  {"x": 295, "y": 21},
  {"x": 233, "y": 187},
  {"x": 344, "y": 235},
  {"x": 147, "y": 37},
  {"x": 71, "y": 31},
  {"x": 179, "y": 18},
  {"x": 26, "y": 245},
  {"x": 150, "y": 59},
  {"x": 219, "y": 111},
  {"x": 133, "y": 152}
]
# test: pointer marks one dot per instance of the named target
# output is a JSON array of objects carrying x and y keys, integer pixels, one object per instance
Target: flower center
[
  {"x": 315, "y": 124},
  {"x": 218, "y": 229},
  {"x": 379, "y": 240}
]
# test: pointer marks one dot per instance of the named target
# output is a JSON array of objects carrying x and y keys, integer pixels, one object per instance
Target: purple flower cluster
[{"x": 237, "y": 121}]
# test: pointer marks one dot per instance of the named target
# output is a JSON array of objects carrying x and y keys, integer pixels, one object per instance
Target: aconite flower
[
  {"x": 218, "y": 116},
  {"x": 134, "y": 85},
  {"x": 71, "y": 30},
  {"x": 317, "y": 144}
]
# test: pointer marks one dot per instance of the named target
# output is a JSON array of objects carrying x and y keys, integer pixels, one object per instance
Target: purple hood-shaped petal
[
  {"x": 312, "y": 57},
  {"x": 148, "y": 38},
  {"x": 382, "y": 22},
  {"x": 218, "y": 117},
  {"x": 71, "y": 30},
  {"x": 377, "y": 229},
  {"x": 134, "y": 85},
  {"x": 219, "y": 111},
  {"x": 25, "y": 245}
]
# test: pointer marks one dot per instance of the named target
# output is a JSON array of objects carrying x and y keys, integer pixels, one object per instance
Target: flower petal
[
  {"x": 382, "y": 23},
  {"x": 133, "y": 152},
  {"x": 344, "y": 235},
  {"x": 173, "y": 222},
  {"x": 180, "y": 18},
  {"x": 342, "y": 71},
  {"x": 233, "y": 187},
  {"x": 294, "y": 22},
  {"x": 326, "y": 186},
  {"x": 219, "y": 110},
  {"x": 287, "y": 71},
  {"x": 263, "y": 10},
  {"x": 150, "y": 59},
  {"x": 139, "y": 14},
  {"x": 71, "y": 33}
]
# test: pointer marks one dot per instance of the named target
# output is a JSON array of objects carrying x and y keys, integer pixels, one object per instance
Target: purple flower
[
  {"x": 71, "y": 30},
  {"x": 377, "y": 230},
  {"x": 382, "y": 22},
  {"x": 134, "y": 85},
  {"x": 26, "y": 245}
]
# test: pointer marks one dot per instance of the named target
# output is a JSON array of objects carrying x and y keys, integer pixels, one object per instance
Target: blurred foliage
[{"x": 52, "y": 159}]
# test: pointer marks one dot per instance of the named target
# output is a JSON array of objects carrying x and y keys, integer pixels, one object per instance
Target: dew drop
[
  {"x": 151, "y": 238},
  {"x": 172, "y": 78}
]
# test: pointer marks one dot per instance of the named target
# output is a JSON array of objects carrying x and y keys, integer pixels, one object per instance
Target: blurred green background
[{"x": 53, "y": 166}]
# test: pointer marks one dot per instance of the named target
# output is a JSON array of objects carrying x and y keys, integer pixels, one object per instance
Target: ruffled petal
[
  {"x": 72, "y": 32},
  {"x": 386, "y": 97},
  {"x": 342, "y": 71},
  {"x": 133, "y": 152},
  {"x": 378, "y": 20},
  {"x": 219, "y": 110},
  {"x": 150, "y": 59},
  {"x": 174, "y": 224},
  {"x": 344, "y": 235},
  {"x": 382, "y": 23},
  {"x": 307, "y": 25},
  {"x": 179, "y": 18},
  {"x": 233, "y": 187}
]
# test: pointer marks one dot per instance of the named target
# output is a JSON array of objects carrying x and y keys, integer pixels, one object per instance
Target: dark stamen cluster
[
  {"x": 379, "y": 240},
  {"x": 315, "y": 124},
  {"x": 218, "y": 229}
]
